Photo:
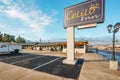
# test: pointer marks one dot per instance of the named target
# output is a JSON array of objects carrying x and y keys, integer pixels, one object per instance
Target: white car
[{"x": 9, "y": 48}]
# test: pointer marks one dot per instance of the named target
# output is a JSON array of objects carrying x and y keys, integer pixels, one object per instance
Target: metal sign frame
[{"x": 87, "y": 26}]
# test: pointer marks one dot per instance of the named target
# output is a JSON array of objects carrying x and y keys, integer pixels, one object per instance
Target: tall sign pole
[
  {"x": 83, "y": 15},
  {"x": 70, "y": 46}
]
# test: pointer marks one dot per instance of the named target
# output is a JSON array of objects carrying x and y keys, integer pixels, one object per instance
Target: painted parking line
[
  {"x": 9, "y": 61},
  {"x": 10, "y": 55},
  {"x": 64, "y": 70},
  {"x": 47, "y": 63},
  {"x": 15, "y": 57},
  {"x": 27, "y": 59},
  {"x": 35, "y": 62}
]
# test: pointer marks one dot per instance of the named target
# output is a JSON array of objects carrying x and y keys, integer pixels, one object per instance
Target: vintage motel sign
[
  {"x": 88, "y": 12},
  {"x": 83, "y": 15}
]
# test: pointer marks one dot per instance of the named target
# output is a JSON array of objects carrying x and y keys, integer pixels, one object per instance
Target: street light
[{"x": 115, "y": 30}]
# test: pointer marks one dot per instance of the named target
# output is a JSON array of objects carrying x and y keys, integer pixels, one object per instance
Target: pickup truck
[{"x": 9, "y": 48}]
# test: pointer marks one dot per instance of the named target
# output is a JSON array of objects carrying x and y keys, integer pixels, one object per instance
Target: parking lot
[{"x": 43, "y": 63}]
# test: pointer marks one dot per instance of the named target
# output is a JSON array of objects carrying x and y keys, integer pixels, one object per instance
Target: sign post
[
  {"x": 70, "y": 46},
  {"x": 82, "y": 15}
]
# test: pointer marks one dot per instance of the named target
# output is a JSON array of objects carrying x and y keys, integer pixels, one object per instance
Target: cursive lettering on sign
[{"x": 84, "y": 13}]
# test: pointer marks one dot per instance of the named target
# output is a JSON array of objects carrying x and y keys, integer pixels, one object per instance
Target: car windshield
[{"x": 2, "y": 45}]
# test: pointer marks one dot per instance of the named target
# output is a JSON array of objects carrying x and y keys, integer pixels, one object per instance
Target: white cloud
[
  {"x": 35, "y": 19},
  {"x": 1, "y": 26},
  {"x": 6, "y": 1}
]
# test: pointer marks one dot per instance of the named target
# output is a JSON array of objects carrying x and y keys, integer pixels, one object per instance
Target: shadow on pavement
[
  {"x": 63, "y": 70},
  {"x": 10, "y": 54}
]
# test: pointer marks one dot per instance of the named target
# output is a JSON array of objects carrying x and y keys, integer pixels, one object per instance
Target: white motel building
[{"x": 80, "y": 46}]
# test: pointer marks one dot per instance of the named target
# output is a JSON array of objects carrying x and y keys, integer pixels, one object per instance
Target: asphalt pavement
[
  {"x": 44, "y": 63},
  {"x": 34, "y": 66}
]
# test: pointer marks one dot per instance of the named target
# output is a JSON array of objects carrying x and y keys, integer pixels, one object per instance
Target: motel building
[{"x": 80, "y": 46}]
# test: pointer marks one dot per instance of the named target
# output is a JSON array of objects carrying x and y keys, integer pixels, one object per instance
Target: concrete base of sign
[
  {"x": 113, "y": 64},
  {"x": 71, "y": 62}
]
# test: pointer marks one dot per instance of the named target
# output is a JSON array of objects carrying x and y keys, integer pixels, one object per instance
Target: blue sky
[{"x": 35, "y": 19}]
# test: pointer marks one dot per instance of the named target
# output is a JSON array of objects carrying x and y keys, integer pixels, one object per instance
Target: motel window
[
  {"x": 76, "y": 46},
  {"x": 65, "y": 46},
  {"x": 81, "y": 46}
]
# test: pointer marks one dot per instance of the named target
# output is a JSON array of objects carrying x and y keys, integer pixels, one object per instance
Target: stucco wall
[{"x": 77, "y": 50}]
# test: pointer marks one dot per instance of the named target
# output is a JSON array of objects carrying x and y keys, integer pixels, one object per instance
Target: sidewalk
[
  {"x": 95, "y": 67},
  {"x": 11, "y": 72}
]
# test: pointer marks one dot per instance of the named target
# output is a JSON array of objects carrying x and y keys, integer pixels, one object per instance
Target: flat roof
[{"x": 55, "y": 43}]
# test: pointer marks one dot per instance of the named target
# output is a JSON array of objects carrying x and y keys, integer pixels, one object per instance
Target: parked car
[{"x": 9, "y": 48}]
